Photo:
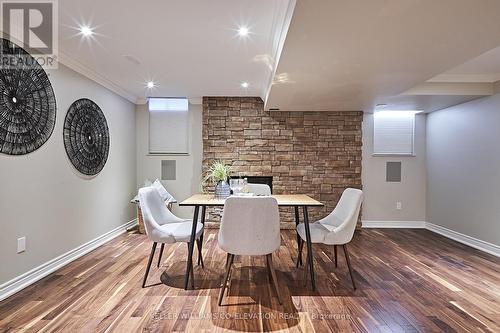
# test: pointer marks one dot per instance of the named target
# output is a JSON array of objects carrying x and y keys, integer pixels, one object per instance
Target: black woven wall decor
[
  {"x": 86, "y": 137},
  {"x": 27, "y": 102}
]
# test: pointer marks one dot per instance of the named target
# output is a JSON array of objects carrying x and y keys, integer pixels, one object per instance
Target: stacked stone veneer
[{"x": 314, "y": 153}]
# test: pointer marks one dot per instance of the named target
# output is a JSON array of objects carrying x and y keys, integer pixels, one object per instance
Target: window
[
  {"x": 168, "y": 126},
  {"x": 393, "y": 132}
]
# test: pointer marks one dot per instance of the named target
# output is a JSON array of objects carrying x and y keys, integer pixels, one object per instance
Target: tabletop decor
[
  {"x": 218, "y": 174},
  {"x": 27, "y": 102},
  {"x": 86, "y": 137}
]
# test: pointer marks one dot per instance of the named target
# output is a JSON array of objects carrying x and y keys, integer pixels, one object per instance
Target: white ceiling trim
[
  {"x": 278, "y": 43},
  {"x": 496, "y": 87},
  {"x": 452, "y": 89},
  {"x": 78, "y": 67},
  {"x": 489, "y": 78}
]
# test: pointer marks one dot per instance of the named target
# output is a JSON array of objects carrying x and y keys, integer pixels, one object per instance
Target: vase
[{"x": 222, "y": 190}]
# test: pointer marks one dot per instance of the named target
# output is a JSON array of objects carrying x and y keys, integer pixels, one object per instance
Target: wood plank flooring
[{"x": 408, "y": 281}]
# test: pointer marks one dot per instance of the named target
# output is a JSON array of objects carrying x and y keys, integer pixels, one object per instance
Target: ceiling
[
  {"x": 484, "y": 68},
  {"x": 351, "y": 55},
  {"x": 302, "y": 55},
  {"x": 189, "y": 48}
]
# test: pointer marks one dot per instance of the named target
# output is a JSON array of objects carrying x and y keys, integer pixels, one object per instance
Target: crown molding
[
  {"x": 80, "y": 68},
  {"x": 452, "y": 88},
  {"x": 469, "y": 78},
  {"x": 496, "y": 87},
  {"x": 280, "y": 27}
]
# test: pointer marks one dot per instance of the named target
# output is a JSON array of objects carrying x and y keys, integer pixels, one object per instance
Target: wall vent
[
  {"x": 168, "y": 170},
  {"x": 393, "y": 172}
]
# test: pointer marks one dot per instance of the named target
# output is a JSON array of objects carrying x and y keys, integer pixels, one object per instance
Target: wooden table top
[{"x": 283, "y": 200}]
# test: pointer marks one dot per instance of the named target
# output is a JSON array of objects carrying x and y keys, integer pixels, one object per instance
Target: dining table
[{"x": 284, "y": 200}]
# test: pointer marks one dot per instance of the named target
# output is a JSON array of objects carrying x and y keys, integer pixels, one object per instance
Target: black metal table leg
[
  {"x": 191, "y": 246},
  {"x": 309, "y": 247},
  {"x": 203, "y": 210},
  {"x": 297, "y": 221}
]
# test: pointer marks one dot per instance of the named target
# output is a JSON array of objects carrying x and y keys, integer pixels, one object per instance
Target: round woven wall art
[
  {"x": 27, "y": 102},
  {"x": 86, "y": 137}
]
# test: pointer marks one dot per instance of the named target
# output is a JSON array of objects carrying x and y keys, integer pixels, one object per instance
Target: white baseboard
[
  {"x": 13, "y": 286},
  {"x": 459, "y": 237},
  {"x": 464, "y": 239},
  {"x": 394, "y": 224}
]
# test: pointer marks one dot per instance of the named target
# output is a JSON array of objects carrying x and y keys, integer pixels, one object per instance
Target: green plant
[{"x": 217, "y": 172}]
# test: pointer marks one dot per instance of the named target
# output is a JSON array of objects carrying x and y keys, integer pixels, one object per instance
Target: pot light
[
  {"x": 86, "y": 31},
  {"x": 150, "y": 84},
  {"x": 244, "y": 84},
  {"x": 243, "y": 31}
]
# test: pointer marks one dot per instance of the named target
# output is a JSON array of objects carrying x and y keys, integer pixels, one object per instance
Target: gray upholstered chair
[
  {"x": 337, "y": 228},
  {"x": 163, "y": 227},
  {"x": 250, "y": 226},
  {"x": 259, "y": 189}
]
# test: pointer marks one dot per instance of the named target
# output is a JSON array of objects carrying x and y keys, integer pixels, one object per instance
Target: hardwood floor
[{"x": 407, "y": 280}]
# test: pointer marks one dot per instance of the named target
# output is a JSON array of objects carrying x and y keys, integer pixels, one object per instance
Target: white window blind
[
  {"x": 394, "y": 132},
  {"x": 168, "y": 126}
]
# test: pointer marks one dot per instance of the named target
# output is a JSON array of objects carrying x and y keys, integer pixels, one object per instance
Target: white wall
[
  {"x": 381, "y": 196},
  {"x": 188, "y": 168},
  {"x": 463, "y": 168},
  {"x": 45, "y": 199}
]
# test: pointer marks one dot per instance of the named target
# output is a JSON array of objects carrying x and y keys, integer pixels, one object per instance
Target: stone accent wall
[{"x": 314, "y": 153}]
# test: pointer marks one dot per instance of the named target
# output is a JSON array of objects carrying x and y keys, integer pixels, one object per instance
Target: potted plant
[{"x": 218, "y": 174}]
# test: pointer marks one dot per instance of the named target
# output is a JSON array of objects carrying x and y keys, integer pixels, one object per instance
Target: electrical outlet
[
  {"x": 398, "y": 205},
  {"x": 21, "y": 244}
]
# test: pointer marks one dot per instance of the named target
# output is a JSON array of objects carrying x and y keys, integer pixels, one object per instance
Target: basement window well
[
  {"x": 394, "y": 133},
  {"x": 168, "y": 126}
]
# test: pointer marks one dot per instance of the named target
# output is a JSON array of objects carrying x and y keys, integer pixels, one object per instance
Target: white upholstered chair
[
  {"x": 337, "y": 228},
  {"x": 250, "y": 226},
  {"x": 259, "y": 189},
  {"x": 163, "y": 227}
]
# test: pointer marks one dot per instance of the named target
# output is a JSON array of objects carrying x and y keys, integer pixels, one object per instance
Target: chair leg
[
  {"x": 191, "y": 272},
  {"x": 299, "y": 257},
  {"x": 349, "y": 265},
  {"x": 273, "y": 276},
  {"x": 226, "y": 276},
  {"x": 335, "y": 254},
  {"x": 161, "y": 253},
  {"x": 269, "y": 274},
  {"x": 151, "y": 255},
  {"x": 199, "y": 243},
  {"x": 228, "y": 258}
]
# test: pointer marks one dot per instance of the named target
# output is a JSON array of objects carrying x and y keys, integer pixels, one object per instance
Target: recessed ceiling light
[
  {"x": 244, "y": 84},
  {"x": 243, "y": 31},
  {"x": 86, "y": 31},
  {"x": 381, "y": 106},
  {"x": 151, "y": 84}
]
